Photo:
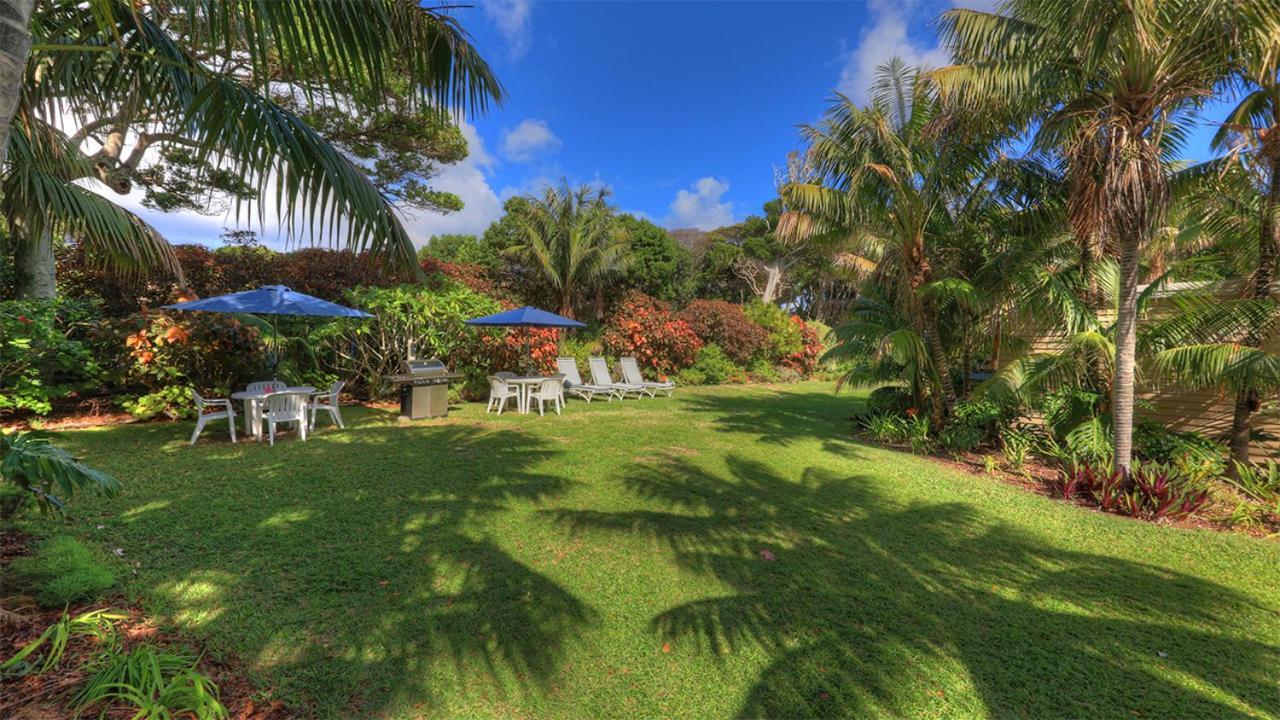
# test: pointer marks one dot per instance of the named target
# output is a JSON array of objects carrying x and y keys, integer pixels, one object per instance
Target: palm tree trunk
[
  {"x": 15, "y": 42},
  {"x": 33, "y": 260},
  {"x": 1268, "y": 250},
  {"x": 938, "y": 357},
  {"x": 1122, "y": 386},
  {"x": 1241, "y": 429}
]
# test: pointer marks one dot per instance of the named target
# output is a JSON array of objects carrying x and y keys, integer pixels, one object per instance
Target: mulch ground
[{"x": 47, "y": 695}]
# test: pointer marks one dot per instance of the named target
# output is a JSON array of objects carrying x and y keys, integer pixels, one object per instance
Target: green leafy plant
[
  {"x": 1016, "y": 444},
  {"x": 47, "y": 472},
  {"x": 886, "y": 428},
  {"x": 715, "y": 367},
  {"x": 156, "y": 683},
  {"x": 889, "y": 400},
  {"x": 40, "y": 357},
  {"x": 62, "y": 570},
  {"x": 97, "y": 624},
  {"x": 1259, "y": 483},
  {"x": 918, "y": 435}
]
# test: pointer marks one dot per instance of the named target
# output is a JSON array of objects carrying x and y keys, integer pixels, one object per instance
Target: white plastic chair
[
  {"x": 272, "y": 385},
  {"x": 499, "y": 392},
  {"x": 286, "y": 407},
  {"x": 631, "y": 374},
  {"x": 600, "y": 376},
  {"x": 327, "y": 400},
  {"x": 222, "y": 411},
  {"x": 505, "y": 374},
  {"x": 549, "y": 390},
  {"x": 573, "y": 384}
]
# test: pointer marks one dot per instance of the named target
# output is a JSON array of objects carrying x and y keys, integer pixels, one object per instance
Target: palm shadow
[
  {"x": 373, "y": 583},
  {"x": 868, "y": 607},
  {"x": 780, "y": 418}
]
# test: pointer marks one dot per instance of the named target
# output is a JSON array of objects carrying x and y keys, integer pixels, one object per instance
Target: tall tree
[
  {"x": 1116, "y": 80},
  {"x": 195, "y": 76},
  {"x": 1251, "y": 134},
  {"x": 893, "y": 186},
  {"x": 15, "y": 42},
  {"x": 572, "y": 238}
]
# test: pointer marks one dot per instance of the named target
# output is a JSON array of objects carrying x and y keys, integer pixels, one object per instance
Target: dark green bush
[
  {"x": 1192, "y": 453},
  {"x": 61, "y": 571},
  {"x": 714, "y": 367},
  {"x": 41, "y": 354},
  {"x": 960, "y": 437},
  {"x": 889, "y": 400}
]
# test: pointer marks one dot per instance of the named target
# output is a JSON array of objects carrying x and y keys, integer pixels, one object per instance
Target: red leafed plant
[
  {"x": 506, "y": 351},
  {"x": 645, "y": 328},
  {"x": 725, "y": 324},
  {"x": 806, "y": 360},
  {"x": 1151, "y": 491}
]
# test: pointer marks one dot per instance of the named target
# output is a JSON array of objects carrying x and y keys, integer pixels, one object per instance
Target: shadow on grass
[
  {"x": 369, "y": 580},
  {"x": 868, "y": 607},
  {"x": 780, "y": 417}
]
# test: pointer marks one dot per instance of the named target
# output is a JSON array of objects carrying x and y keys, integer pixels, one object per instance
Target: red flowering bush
[
  {"x": 722, "y": 323},
  {"x": 506, "y": 350},
  {"x": 806, "y": 359},
  {"x": 158, "y": 358},
  {"x": 645, "y": 328}
]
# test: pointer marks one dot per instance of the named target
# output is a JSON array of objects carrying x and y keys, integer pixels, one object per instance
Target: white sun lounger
[
  {"x": 600, "y": 376},
  {"x": 568, "y": 367},
  {"x": 632, "y": 376}
]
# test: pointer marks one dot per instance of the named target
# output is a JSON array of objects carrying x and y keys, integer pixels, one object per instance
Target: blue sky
[{"x": 684, "y": 109}]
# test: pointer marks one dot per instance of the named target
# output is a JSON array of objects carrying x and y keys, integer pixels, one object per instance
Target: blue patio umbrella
[
  {"x": 526, "y": 317},
  {"x": 269, "y": 300}
]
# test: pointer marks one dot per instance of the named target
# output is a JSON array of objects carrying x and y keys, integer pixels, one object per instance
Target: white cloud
[
  {"x": 514, "y": 19},
  {"x": 886, "y": 38},
  {"x": 702, "y": 208},
  {"x": 529, "y": 139}
]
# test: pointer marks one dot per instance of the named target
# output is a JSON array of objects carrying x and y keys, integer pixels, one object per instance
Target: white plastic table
[
  {"x": 253, "y": 403},
  {"x": 525, "y": 386}
]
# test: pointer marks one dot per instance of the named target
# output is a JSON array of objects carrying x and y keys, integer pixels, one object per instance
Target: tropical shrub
[
  {"x": 974, "y": 423},
  {"x": 41, "y": 357},
  {"x": 960, "y": 437},
  {"x": 156, "y": 358},
  {"x": 1190, "y": 452},
  {"x": 417, "y": 319},
  {"x": 726, "y": 325},
  {"x": 886, "y": 427},
  {"x": 96, "y": 624},
  {"x": 805, "y": 360},
  {"x": 646, "y": 329},
  {"x": 889, "y": 400},
  {"x": 1017, "y": 443},
  {"x": 712, "y": 367},
  {"x": 786, "y": 339},
  {"x": 62, "y": 571},
  {"x": 1150, "y": 490}
]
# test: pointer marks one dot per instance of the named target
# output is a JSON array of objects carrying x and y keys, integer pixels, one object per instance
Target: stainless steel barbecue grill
[{"x": 424, "y": 388}]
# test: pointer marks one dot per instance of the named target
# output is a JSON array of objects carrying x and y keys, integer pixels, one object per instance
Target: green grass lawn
[{"x": 729, "y": 552}]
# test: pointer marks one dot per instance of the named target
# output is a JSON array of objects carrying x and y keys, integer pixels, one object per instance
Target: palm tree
[
  {"x": 1117, "y": 80},
  {"x": 572, "y": 238},
  {"x": 1251, "y": 134},
  {"x": 1222, "y": 334},
  {"x": 195, "y": 76},
  {"x": 14, "y": 16},
  {"x": 893, "y": 187}
]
